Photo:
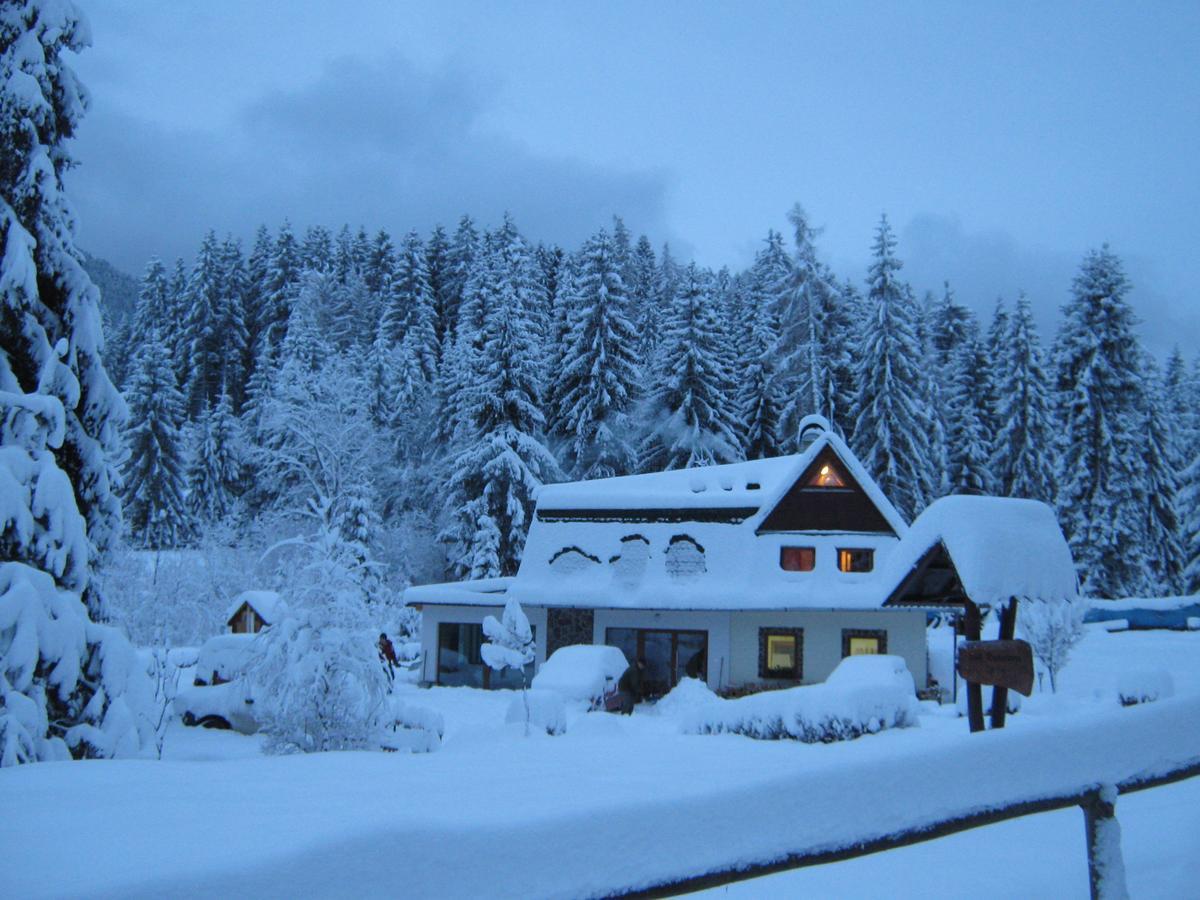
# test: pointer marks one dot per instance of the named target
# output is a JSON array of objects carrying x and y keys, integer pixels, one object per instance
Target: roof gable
[{"x": 831, "y": 492}]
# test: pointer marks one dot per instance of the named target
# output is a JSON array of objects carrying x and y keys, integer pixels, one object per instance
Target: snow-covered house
[
  {"x": 252, "y": 611},
  {"x": 767, "y": 572}
]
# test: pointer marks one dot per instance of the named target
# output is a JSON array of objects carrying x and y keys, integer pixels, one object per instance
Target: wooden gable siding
[
  {"x": 933, "y": 581},
  {"x": 826, "y": 509},
  {"x": 246, "y": 620}
]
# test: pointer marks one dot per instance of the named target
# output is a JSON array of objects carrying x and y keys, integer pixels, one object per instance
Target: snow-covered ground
[{"x": 498, "y": 814}]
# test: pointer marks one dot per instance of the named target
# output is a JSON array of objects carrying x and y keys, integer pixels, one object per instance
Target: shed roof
[{"x": 268, "y": 604}]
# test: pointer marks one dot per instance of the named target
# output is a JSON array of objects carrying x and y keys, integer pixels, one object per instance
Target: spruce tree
[
  {"x": 968, "y": 447},
  {"x": 62, "y": 674},
  {"x": 154, "y": 470},
  {"x": 202, "y": 327},
  {"x": 762, "y": 391},
  {"x": 437, "y": 262},
  {"x": 279, "y": 288},
  {"x": 214, "y": 474},
  {"x": 153, "y": 306},
  {"x": 692, "y": 405},
  {"x": 891, "y": 434},
  {"x": 1100, "y": 489},
  {"x": 1023, "y": 455},
  {"x": 502, "y": 459},
  {"x": 459, "y": 263},
  {"x": 598, "y": 381},
  {"x": 1163, "y": 535},
  {"x": 410, "y": 313},
  {"x": 231, "y": 316}
]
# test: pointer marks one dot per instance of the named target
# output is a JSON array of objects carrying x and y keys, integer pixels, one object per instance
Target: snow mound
[
  {"x": 225, "y": 657},
  {"x": 582, "y": 672},
  {"x": 863, "y": 695},
  {"x": 1145, "y": 686},
  {"x": 688, "y": 697},
  {"x": 546, "y": 711}
]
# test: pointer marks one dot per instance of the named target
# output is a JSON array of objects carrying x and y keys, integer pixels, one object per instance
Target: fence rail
[{"x": 1105, "y": 867}]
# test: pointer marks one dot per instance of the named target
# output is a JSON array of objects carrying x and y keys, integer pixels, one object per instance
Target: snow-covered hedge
[
  {"x": 413, "y": 728},
  {"x": 863, "y": 695},
  {"x": 582, "y": 672},
  {"x": 1145, "y": 686}
]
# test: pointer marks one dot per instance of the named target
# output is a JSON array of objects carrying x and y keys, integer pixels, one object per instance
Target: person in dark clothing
[
  {"x": 695, "y": 665},
  {"x": 387, "y": 656},
  {"x": 630, "y": 686}
]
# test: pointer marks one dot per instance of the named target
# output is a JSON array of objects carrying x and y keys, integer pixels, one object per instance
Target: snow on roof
[
  {"x": 742, "y": 484},
  {"x": 482, "y": 592},
  {"x": 1001, "y": 547},
  {"x": 267, "y": 604}
]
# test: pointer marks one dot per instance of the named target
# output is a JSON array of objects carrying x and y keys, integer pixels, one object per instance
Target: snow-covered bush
[
  {"x": 863, "y": 695},
  {"x": 510, "y": 646},
  {"x": 412, "y": 728},
  {"x": 1053, "y": 628},
  {"x": 1145, "y": 686},
  {"x": 582, "y": 672},
  {"x": 539, "y": 708},
  {"x": 686, "y": 698}
]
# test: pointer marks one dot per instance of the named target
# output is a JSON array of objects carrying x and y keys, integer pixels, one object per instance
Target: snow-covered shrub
[
  {"x": 225, "y": 657},
  {"x": 582, "y": 672},
  {"x": 1145, "y": 686},
  {"x": 510, "y": 646},
  {"x": 686, "y": 698},
  {"x": 412, "y": 728},
  {"x": 539, "y": 708},
  {"x": 863, "y": 695},
  {"x": 1053, "y": 628}
]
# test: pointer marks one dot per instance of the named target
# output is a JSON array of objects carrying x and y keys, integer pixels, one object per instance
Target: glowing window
[
  {"x": 827, "y": 476},
  {"x": 856, "y": 559},
  {"x": 780, "y": 651},
  {"x": 860, "y": 646},
  {"x": 797, "y": 559}
]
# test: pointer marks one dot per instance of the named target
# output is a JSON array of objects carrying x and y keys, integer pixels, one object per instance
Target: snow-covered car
[
  {"x": 227, "y": 705},
  {"x": 224, "y": 658},
  {"x": 584, "y": 673}
]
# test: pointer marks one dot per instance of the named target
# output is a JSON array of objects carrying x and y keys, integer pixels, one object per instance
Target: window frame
[
  {"x": 797, "y": 671},
  {"x": 785, "y": 547},
  {"x": 870, "y": 554},
  {"x": 879, "y": 634}
]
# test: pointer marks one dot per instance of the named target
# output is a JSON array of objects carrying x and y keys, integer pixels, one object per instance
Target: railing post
[{"x": 1106, "y": 866}]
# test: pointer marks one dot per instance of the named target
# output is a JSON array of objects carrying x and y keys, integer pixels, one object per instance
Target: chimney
[{"x": 811, "y": 428}]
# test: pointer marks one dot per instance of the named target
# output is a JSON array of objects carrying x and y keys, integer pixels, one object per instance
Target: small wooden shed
[{"x": 252, "y": 611}]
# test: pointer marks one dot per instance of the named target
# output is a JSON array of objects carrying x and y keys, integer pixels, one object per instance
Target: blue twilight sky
[{"x": 1003, "y": 140}]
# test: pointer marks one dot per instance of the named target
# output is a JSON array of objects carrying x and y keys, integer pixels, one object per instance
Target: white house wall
[
  {"x": 822, "y": 649},
  {"x": 433, "y": 616}
]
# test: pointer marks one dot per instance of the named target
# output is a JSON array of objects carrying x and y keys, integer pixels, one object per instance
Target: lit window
[
  {"x": 797, "y": 559},
  {"x": 827, "y": 476},
  {"x": 779, "y": 652},
  {"x": 856, "y": 559},
  {"x": 863, "y": 641},
  {"x": 864, "y": 646}
]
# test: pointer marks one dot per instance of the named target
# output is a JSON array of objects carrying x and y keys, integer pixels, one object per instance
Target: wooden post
[
  {"x": 1008, "y": 630},
  {"x": 1106, "y": 866},
  {"x": 972, "y": 630}
]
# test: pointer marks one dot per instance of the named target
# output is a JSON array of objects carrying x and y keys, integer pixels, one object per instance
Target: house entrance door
[{"x": 668, "y": 654}]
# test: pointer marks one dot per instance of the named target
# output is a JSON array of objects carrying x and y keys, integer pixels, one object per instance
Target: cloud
[{"x": 377, "y": 142}]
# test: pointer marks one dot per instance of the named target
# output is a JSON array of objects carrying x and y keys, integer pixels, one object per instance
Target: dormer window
[
  {"x": 797, "y": 559},
  {"x": 826, "y": 476}
]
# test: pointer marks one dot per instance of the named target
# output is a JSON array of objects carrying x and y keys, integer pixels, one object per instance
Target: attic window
[
  {"x": 797, "y": 559},
  {"x": 827, "y": 476},
  {"x": 856, "y": 559},
  {"x": 753, "y": 486}
]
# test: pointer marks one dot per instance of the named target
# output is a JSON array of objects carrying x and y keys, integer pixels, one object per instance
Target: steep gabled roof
[{"x": 267, "y": 604}]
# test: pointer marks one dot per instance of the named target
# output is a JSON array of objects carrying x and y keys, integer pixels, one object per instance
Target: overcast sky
[{"x": 1003, "y": 140}]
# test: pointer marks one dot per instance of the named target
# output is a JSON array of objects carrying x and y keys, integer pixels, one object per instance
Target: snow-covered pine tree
[
  {"x": 1189, "y": 504},
  {"x": 460, "y": 259},
  {"x": 254, "y": 314},
  {"x": 154, "y": 484},
  {"x": 890, "y": 436},
  {"x": 316, "y": 253},
  {"x": 1101, "y": 493},
  {"x": 231, "y": 316},
  {"x": 437, "y": 262},
  {"x": 950, "y": 323},
  {"x": 153, "y": 306},
  {"x": 502, "y": 458},
  {"x": 278, "y": 288},
  {"x": 1162, "y": 541},
  {"x": 172, "y": 334},
  {"x": 202, "y": 327},
  {"x": 305, "y": 342},
  {"x": 655, "y": 312},
  {"x": 378, "y": 271},
  {"x": 995, "y": 349},
  {"x": 812, "y": 333},
  {"x": 410, "y": 313},
  {"x": 510, "y": 645},
  {"x": 761, "y": 395},
  {"x": 968, "y": 445},
  {"x": 64, "y": 679},
  {"x": 1023, "y": 458},
  {"x": 1181, "y": 408},
  {"x": 598, "y": 380},
  {"x": 214, "y": 474},
  {"x": 692, "y": 405}
]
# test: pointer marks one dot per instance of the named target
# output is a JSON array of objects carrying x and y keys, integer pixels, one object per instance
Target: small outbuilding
[{"x": 252, "y": 611}]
